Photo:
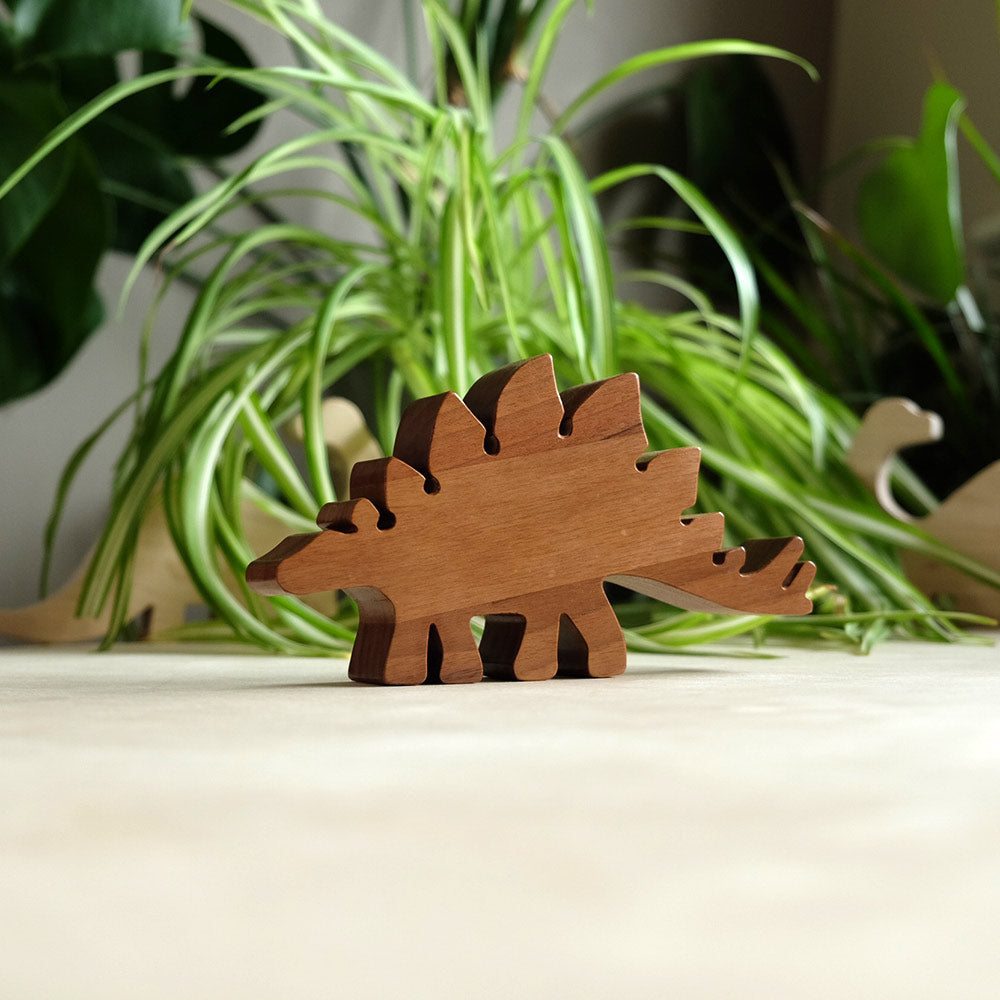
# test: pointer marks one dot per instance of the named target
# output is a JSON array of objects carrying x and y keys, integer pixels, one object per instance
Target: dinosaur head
[
  {"x": 345, "y": 554},
  {"x": 903, "y": 423},
  {"x": 888, "y": 426}
]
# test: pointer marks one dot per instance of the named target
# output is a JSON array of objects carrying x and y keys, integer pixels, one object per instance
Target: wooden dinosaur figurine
[
  {"x": 968, "y": 520},
  {"x": 517, "y": 504}
]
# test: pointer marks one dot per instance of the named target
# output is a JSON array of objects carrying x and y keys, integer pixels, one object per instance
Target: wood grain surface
[{"x": 517, "y": 504}]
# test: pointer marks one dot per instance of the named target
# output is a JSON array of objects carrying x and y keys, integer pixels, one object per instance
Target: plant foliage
[
  {"x": 465, "y": 249},
  {"x": 905, "y": 312},
  {"x": 108, "y": 185},
  {"x": 909, "y": 313}
]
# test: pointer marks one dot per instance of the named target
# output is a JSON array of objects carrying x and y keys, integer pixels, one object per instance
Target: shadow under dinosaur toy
[{"x": 517, "y": 504}]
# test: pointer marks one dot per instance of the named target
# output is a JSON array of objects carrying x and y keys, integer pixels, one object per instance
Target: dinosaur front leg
[
  {"x": 452, "y": 656},
  {"x": 591, "y": 643},
  {"x": 521, "y": 647},
  {"x": 390, "y": 648}
]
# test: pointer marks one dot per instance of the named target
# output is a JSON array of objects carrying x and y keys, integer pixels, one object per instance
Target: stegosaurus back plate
[{"x": 518, "y": 504}]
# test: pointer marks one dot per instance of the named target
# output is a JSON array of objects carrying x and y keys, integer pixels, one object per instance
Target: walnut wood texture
[
  {"x": 968, "y": 520},
  {"x": 517, "y": 504}
]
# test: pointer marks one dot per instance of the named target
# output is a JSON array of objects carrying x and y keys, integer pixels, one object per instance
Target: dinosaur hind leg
[
  {"x": 388, "y": 649},
  {"x": 520, "y": 647},
  {"x": 586, "y": 640},
  {"x": 452, "y": 656},
  {"x": 591, "y": 643}
]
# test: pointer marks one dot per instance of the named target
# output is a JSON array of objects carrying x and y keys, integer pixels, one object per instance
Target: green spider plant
[{"x": 467, "y": 249}]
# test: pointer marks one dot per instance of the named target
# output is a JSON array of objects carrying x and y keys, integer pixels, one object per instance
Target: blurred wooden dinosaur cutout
[
  {"x": 968, "y": 520},
  {"x": 518, "y": 503},
  {"x": 161, "y": 588}
]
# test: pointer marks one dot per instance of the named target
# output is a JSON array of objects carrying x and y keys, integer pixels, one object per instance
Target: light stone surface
[{"x": 231, "y": 825}]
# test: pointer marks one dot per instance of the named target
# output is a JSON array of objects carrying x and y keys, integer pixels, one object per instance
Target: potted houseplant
[{"x": 466, "y": 248}]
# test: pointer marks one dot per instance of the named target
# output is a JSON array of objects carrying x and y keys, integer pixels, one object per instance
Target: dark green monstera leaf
[
  {"x": 112, "y": 184},
  {"x": 64, "y": 28},
  {"x": 48, "y": 306},
  {"x": 908, "y": 207},
  {"x": 28, "y": 109}
]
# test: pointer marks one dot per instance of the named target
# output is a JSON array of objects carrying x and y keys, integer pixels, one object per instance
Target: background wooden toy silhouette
[
  {"x": 517, "y": 504},
  {"x": 162, "y": 590},
  {"x": 968, "y": 520}
]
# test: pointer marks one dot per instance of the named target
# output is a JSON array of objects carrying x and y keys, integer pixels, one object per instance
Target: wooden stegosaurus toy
[{"x": 518, "y": 504}]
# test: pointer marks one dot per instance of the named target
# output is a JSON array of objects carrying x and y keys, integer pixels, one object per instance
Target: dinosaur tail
[{"x": 762, "y": 576}]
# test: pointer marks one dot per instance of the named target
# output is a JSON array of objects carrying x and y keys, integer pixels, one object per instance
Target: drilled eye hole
[
  {"x": 431, "y": 485},
  {"x": 344, "y": 527},
  {"x": 386, "y": 520},
  {"x": 491, "y": 445}
]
